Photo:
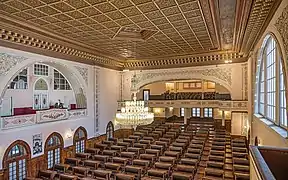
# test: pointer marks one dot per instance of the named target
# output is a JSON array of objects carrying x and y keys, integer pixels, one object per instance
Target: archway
[
  {"x": 40, "y": 94},
  {"x": 70, "y": 72}
]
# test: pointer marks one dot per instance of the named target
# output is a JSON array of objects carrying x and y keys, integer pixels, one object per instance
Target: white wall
[
  {"x": 108, "y": 87},
  {"x": 109, "y": 94},
  {"x": 239, "y": 123}
]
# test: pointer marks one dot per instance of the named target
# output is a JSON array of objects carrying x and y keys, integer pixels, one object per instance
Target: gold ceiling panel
[
  {"x": 182, "y": 27},
  {"x": 172, "y": 20}
]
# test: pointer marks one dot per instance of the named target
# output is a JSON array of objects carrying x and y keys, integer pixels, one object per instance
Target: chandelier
[{"x": 134, "y": 113}]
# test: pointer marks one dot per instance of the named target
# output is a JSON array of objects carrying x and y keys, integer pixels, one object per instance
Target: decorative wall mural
[
  {"x": 52, "y": 115},
  {"x": 18, "y": 121},
  {"x": 37, "y": 144},
  {"x": 84, "y": 73},
  {"x": 81, "y": 100},
  {"x": 282, "y": 26},
  {"x": 9, "y": 61}
]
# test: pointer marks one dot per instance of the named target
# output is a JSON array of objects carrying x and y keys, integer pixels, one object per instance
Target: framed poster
[{"x": 37, "y": 144}]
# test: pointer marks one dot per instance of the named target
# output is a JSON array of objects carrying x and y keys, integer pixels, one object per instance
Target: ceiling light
[{"x": 125, "y": 70}]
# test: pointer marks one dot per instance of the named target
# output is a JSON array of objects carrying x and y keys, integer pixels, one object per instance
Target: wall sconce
[
  {"x": 69, "y": 134},
  {"x": 170, "y": 108}
]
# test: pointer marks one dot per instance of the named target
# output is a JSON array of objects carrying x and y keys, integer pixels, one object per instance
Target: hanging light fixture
[{"x": 133, "y": 112}]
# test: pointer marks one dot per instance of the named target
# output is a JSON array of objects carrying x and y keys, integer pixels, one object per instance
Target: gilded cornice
[{"x": 185, "y": 61}]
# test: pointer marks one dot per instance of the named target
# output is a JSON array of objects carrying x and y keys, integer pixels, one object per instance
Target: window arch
[
  {"x": 53, "y": 149},
  {"x": 110, "y": 130},
  {"x": 80, "y": 137},
  {"x": 16, "y": 160},
  {"x": 270, "y": 98}
]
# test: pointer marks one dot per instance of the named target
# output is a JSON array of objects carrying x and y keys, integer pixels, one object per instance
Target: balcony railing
[
  {"x": 268, "y": 163},
  {"x": 222, "y": 105},
  {"x": 41, "y": 117},
  {"x": 191, "y": 96}
]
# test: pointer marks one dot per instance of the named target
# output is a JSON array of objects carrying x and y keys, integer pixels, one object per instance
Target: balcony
[
  {"x": 268, "y": 163},
  {"x": 191, "y": 96},
  {"x": 222, "y": 105},
  {"x": 43, "y": 116}
]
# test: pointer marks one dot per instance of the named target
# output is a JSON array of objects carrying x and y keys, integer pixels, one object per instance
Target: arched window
[
  {"x": 80, "y": 137},
  {"x": 110, "y": 130},
  {"x": 270, "y": 87},
  {"x": 15, "y": 160},
  {"x": 53, "y": 148}
]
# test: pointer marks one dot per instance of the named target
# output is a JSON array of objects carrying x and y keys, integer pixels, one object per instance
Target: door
[{"x": 40, "y": 100}]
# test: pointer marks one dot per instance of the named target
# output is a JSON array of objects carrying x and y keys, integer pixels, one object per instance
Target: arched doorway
[
  {"x": 40, "y": 95},
  {"x": 110, "y": 130}
]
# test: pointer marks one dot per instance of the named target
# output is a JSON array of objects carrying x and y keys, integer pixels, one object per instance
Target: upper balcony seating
[{"x": 191, "y": 96}]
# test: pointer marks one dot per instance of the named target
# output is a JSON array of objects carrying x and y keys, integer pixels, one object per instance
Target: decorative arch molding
[
  {"x": 54, "y": 134},
  {"x": 17, "y": 142},
  {"x": 219, "y": 75},
  {"x": 11, "y": 65},
  {"x": 81, "y": 128}
]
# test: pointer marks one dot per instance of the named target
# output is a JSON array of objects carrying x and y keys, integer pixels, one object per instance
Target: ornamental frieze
[
  {"x": 7, "y": 62},
  {"x": 282, "y": 26},
  {"x": 224, "y": 74},
  {"x": 83, "y": 72}
]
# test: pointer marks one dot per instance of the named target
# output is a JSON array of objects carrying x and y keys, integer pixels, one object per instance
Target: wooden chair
[
  {"x": 67, "y": 177},
  {"x": 47, "y": 174},
  {"x": 183, "y": 172},
  {"x": 101, "y": 174},
  {"x": 72, "y": 161},
  {"x": 141, "y": 163},
  {"x": 80, "y": 171},
  {"x": 92, "y": 151},
  {"x": 82, "y": 156},
  {"x": 115, "y": 168},
  {"x": 122, "y": 176},
  {"x": 91, "y": 164},
  {"x": 134, "y": 170},
  {"x": 120, "y": 161}
]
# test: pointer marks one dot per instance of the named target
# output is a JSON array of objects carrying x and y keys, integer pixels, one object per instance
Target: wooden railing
[{"x": 268, "y": 163}]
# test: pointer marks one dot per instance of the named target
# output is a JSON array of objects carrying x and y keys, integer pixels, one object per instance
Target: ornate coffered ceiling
[{"x": 136, "y": 34}]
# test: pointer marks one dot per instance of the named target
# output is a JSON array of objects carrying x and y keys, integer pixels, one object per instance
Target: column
[
  {"x": 185, "y": 116},
  {"x": 168, "y": 112},
  {"x": 223, "y": 118}
]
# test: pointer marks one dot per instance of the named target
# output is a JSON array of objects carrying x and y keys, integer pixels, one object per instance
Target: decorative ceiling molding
[
  {"x": 260, "y": 16},
  {"x": 282, "y": 26},
  {"x": 227, "y": 10},
  {"x": 174, "y": 32},
  {"x": 8, "y": 61},
  {"x": 217, "y": 58},
  {"x": 26, "y": 40}
]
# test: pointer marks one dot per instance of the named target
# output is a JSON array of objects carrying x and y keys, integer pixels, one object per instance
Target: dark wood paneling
[{"x": 40, "y": 162}]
